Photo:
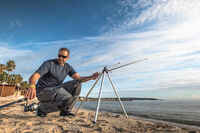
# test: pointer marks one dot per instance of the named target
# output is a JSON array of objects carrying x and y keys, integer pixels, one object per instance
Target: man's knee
[
  {"x": 46, "y": 95},
  {"x": 78, "y": 83},
  {"x": 77, "y": 86},
  {"x": 73, "y": 87}
]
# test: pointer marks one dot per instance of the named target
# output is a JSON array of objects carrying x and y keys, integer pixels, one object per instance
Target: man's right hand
[{"x": 31, "y": 93}]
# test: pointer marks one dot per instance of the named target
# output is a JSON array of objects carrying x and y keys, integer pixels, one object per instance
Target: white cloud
[
  {"x": 164, "y": 10},
  {"x": 7, "y": 52}
]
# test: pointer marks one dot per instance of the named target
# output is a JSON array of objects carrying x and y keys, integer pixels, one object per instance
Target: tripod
[{"x": 101, "y": 75}]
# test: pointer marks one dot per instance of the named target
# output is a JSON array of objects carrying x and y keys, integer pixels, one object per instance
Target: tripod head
[{"x": 105, "y": 69}]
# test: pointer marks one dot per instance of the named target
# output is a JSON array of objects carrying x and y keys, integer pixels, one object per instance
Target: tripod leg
[
  {"x": 99, "y": 99},
  {"x": 116, "y": 93},
  {"x": 88, "y": 93}
]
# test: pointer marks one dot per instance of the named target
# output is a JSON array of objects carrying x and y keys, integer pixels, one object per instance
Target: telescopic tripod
[{"x": 104, "y": 72}]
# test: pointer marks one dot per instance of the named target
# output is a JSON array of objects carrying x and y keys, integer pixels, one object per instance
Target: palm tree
[
  {"x": 12, "y": 79},
  {"x": 3, "y": 77},
  {"x": 23, "y": 87},
  {"x": 18, "y": 79},
  {"x": 2, "y": 68},
  {"x": 2, "y": 72},
  {"x": 10, "y": 66},
  {"x": 24, "y": 84}
]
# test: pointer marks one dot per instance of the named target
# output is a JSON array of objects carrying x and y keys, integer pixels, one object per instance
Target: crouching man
[{"x": 53, "y": 94}]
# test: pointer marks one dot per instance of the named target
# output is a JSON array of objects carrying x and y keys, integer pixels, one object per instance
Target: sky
[{"x": 109, "y": 33}]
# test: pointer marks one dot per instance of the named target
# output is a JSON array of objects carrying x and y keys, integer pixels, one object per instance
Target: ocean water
[{"x": 184, "y": 112}]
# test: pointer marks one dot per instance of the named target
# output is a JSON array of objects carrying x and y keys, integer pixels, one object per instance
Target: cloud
[
  {"x": 23, "y": 59},
  {"x": 165, "y": 10},
  {"x": 7, "y": 52}
]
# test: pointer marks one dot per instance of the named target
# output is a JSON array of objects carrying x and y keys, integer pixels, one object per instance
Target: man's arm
[
  {"x": 31, "y": 93},
  {"x": 42, "y": 70},
  {"x": 86, "y": 78},
  {"x": 34, "y": 78}
]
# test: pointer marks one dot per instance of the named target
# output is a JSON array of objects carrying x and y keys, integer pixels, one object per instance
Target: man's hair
[{"x": 65, "y": 49}]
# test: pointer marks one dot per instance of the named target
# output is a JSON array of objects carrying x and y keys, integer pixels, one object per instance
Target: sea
[{"x": 178, "y": 111}]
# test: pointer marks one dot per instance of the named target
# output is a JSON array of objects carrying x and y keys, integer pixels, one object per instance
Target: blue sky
[{"x": 103, "y": 32}]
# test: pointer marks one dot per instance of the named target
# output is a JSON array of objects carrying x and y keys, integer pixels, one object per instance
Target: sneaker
[
  {"x": 40, "y": 113},
  {"x": 66, "y": 113}
]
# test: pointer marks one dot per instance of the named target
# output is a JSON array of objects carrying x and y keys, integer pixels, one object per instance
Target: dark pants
[{"x": 62, "y": 97}]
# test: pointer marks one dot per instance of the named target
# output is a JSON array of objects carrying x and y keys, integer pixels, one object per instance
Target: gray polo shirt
[{"x": 52, "y": 74}]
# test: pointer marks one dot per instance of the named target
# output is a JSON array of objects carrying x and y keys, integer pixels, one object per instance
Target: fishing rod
[
  {"x": 27, "y": 107},
  {"x": 127, "y": 64},
  {"x": 11, "y": 103}
]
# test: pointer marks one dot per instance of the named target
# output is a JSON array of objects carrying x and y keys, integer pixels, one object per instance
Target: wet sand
[{"x": 14, "y": 120}]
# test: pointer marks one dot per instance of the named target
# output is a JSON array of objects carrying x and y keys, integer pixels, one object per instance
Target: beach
[{"x": 13, "y": 119}]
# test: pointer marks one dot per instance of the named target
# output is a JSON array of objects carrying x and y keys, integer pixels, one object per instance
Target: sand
[{"x": 14, "y": 120}]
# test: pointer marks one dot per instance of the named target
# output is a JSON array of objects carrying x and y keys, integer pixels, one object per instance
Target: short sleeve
[
  {"x": 43, "y": 69},
  {"x": 71, "y": 71}
]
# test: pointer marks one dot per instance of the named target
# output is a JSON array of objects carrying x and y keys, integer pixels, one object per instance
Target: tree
[
  {"x": 3, "y": 77},
  {"x": 10, "y": 66},
  {"x": 11, "y": 79},
  {"x": 2, "y": 68},
  {"x": 24, "y": 85},
  {"x": 18, "y": 78}
]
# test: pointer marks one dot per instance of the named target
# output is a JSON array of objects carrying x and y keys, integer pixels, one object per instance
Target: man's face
[{"x": 62, "y": 56}]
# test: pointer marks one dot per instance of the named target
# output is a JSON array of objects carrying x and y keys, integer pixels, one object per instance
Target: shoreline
[
  {"x": 184, "y": 120},
  {"x": 176, "y": 121},
  {"x": 13, "y": 119},
  {"x": 182, "y": 125},
  {"x": 145, "y": 118}
]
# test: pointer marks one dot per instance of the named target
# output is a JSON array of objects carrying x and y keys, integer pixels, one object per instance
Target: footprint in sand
[
  {"x": 83, "y": 117},
  {"x": 103, "y": 121},
  {"x": 22, "y": 124},
  {"x": 82, "y": 113},
  {"x": 79, "y": 120},
  {"x": 57, "y": 129},
  {"x": 103, "y": 125},
  {"x": 62, "y": 119},
  {"x": 116, "y": 116},
  {"x": 121, "y": 130},
  {"x": 86, "y": 125}
]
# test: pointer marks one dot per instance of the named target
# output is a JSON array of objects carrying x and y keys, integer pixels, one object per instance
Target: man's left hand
[{"x": 95, "y": 75}]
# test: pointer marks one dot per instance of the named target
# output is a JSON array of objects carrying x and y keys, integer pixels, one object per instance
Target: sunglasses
[{"x": 62, "y": 56}]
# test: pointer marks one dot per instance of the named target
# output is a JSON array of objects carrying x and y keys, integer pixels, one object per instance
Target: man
[{"x": 52, "y": 93}]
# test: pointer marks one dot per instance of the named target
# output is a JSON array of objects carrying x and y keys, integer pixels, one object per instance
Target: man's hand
[
  {"x": 85, "y": 79},
  {"x": 95, "y": 75},
  {"x": 31, "y": 93}
]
